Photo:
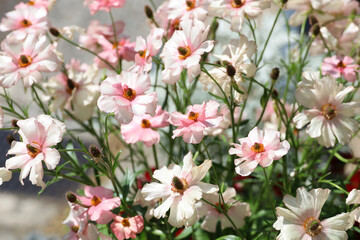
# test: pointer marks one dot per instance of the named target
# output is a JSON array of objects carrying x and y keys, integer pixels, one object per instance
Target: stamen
[
  {"x": 258, "y": 148},
  {"x": 341, "y": 64},
  {"x": 33, "y": 151},
  {"x": 184, "y": 52},
  {"x": 145, "y": 123},
  {"x": 179, "y": 185},
  {"x": 237, "y": 3},
  {"x": 312, "y": 226},
  {"x": 193, "y": 116},
  {"x": 25, "y": 60},
  {"x": 95, "y": 201},
  {"x": 329, "y": 111},
  {"x": 190, "y": 4},
  {"x": 25, "y": 23},
  {"x": 125, "y": 222},
  {"x": 142, "y": 53},
  {"x": 75, "y": 228},
  {"x": 129, "y": 93},
  {"x": 71, "y": 85}
]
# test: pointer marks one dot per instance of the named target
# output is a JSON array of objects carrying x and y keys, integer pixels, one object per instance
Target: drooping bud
[
  {"x": 149, "y": 12},
  {"x": 274, "y": 93},
  {"x": 315, "y": 30},
  {"x": 10, "y": 138},
  {"x": 14, "y": 123},
  {"x": 230, "y": 70},
  {"x": 54, "y": 32},
  {"x": 275, "y": 73},
  {"x": 71, "y": 197},
  {"x": 94, "y": 151}
]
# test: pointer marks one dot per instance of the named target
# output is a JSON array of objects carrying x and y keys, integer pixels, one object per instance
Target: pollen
[
  {"x": 179, "y": 185},
  {"x": 329, "y": 111},
  {"x": 193, "y": 116},
  {"x": 142, "y": 53},
  {"x": 145, "y": 123},
  {"x": 95, "y": 201},
  {"x": 129, "y": 93},
  {"x": 258, "y": 148},
  {"x": 190, "y": 4},
  {"x": 125, "y": 222},
  {"x": 25, "y": 23},
  {"x": 237, "y": 3},
  {"x": 33, "y": 151},
  {"x": 25, "y": 60},
  {"x": 184, "y": 52},
  {"x": 312, "y": 226},
  {"x": 341, "y": 64}
]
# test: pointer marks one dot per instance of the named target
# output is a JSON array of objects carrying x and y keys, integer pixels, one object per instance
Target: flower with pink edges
[
  {"x": 25, "y": 19},
  {"x": 125, "y": 228},
  {"x": 145, "y": 50},
  {"x": 260, "y": 147},
  {"x": 191, "y": 125},
  {"x": 103, "y": 5},
  {"x": 125, "y": 96},
  {"x": 238, "y": 10},
  {"x": 26, "y": 60},
  {"x": 42, "y": 3},
  {"x": 337, "y": 66},
  {"x": 38, "y": 135},
  {"x": 100, "y": 202},
  {"x": 187, "y": 9},
  {"x": 143, "y": 128},
  {"x": 184, "y": 50}
]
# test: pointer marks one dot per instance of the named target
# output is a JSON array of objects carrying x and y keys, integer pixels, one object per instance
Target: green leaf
[{"x": 263, "y": 99}]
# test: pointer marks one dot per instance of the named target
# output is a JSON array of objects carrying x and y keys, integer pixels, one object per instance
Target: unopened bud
[
  {"x": 230, "y": 70},
  {"x": 71, "y": 197},
  {"x": 54, "y": 32},
  {"x": 274, "y": 93},
  {"x": 14, "y": 123},
  {"x": 10, "y": 138},
  {"x": 94, "y": 151},
  {"x": 284, "y": 1},
  {"x": 315, "y": 30},
  {"x": 149, "y": 12},
  {"x": 275, "y": 72}
]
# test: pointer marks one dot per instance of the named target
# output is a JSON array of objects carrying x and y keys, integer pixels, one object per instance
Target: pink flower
[
  {"x": 41, "y": 3},
  {"x": 237, "y": 10},
  {"x": 142, "y": 128},
  {"x": 192, "y": 124},
  {"x": 125, "y": 228},
  {"x": 125, "y": 96},
  {"x": 337, "y": 66},
  {"x": 162, "y": 18},
  {"x": 38, "y": 135},
  {"x": 100, "y": 201},
  {"x": 187, "y": 9},
  {"x": 184, "y": 50},
  {"x": 26, "y": 60},
  {"x": 260, "y": 147},
  {"x": 104, "y": 5},
  {"x": 25, "y": 19}
]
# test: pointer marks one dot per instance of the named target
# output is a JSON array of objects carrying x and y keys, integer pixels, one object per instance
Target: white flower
[
  {"x": 179, "y": 189},
  {"x": 301, "y": 219},
  {"x": 1, "y": 118},
  {"x": 5, "y": 175}
]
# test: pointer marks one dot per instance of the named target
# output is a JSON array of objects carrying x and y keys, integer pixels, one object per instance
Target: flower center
[
  {"x": 75, "y": 228},
  {"x": 341, "y": 64},
  {"x": 145, "y": 123},
  {"x": 329, "y": 111},
  {"x": 176, "y": 24},
  {"x": 193, "y": 116},
  {"x": 312, "y": 226},
  {"x": 31, "y": 2},
  {"x": 95, "y": 201},
  {"x": 70, "y": 85},
  {"x": 190, "y": 4},
  {"x": 25, "y": 60},
  {"x": 25, "y": 23},
  {"x": 33, "y": 151},
  {"x": 142, "y": 53},
  {"x": 129, "y": 93},
  {"x": 179, "y": 185},
  {"x": 258, "y": 148},
  {"x": 184, "y": 52},
  {"x": 237, "y": 3},
  {"x": 125, "y": 222}
]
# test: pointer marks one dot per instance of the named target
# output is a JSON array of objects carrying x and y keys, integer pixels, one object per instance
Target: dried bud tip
[
  {"x": 14, "y": 123},
  {"x": 230, "y": 70},
  {"x": 54, "y": 32},
  {"x": 149, "y": 12},
  {"x": 71, "y": 197},
  {"x": 315, "y": 30},
  {"x": 10, "y": 138},
  {"x": 94, "y": 151},
  {"x": 275, "y": 72}
]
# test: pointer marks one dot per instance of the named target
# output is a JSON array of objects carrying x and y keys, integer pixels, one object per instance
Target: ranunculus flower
[
  {"x": 179, "y": 189},
  {"x": 26, "y": 60},
  {"x": 100, "y": 202},
  {"x": 125, "y": 228},
  {"x": 260, "y": 147},
  {"x": 191, "y": 125},
  {"x": 104, "y": 5},
  {"x": 125, "y": 96},
  {"x": 38, "y": 135},
  {"x": 337, "y": 66}
]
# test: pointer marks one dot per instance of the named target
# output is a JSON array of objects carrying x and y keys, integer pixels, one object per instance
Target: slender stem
[
  {"x": 116, "y": 41},
  {"x": 269, "y": 196},
  {"x": 155, "y": 156}
]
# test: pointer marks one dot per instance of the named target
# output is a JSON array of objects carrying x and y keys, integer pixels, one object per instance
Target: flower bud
[
  {"x": 149, "y": 12},
  {"x": 14, "y": 123},
  {"x": 274, "y": 93},
  {"x": 230, "y": 70},
  {"x": 54, "y": 32},
  {"x": 315, "y": 30},
  {"x": 10, "y": 138},
  {"x": 284, "y": 1},
  {"x": 275, "y": 72},
  {"x": 71, "y": 197},
  {"x": 94, "y": 151}
]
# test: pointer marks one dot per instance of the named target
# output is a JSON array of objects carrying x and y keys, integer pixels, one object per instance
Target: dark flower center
[
  {"x": 142, "y": 53},
  {"x": 193, "y": 116},
  {"x": 237, "y": 3},
  {"x": 329, "y": 111},
  {"x": 179, "y": 185},
  {"x": 25, "y": 23},
  {"x": 312, "y": 226},
  {"x": 258, "y": 148},
  {"x": 32, "y": 151},
  {"x": 145, "y": 123},
  {"x": 125, "y": 222},
  {"x": 129, "y": 93},
  {"x": 25, "y": 60},
  {"x": 184, "y": 52},
  {"x": 190, "y": 4},
  {"x": 341, "y": 64},
  {"x": 95, "y": 201}
]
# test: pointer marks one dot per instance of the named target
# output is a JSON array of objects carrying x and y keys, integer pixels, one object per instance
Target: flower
[
  {"x": 25, "y": 19},
  {"x": 142, "y": 128},
  {"x": 100, "y": 201},
  {"x": 77, "y": 92},
  {"x": 125, "y": 96},
  {"x": 184, "y": 50},
  {"x": 162, "y": 18},
  {"x": 337, "y": 66},
  {"x": 301, "y": 219},
  {"x": 26, "y": 60},
  {"x": 97, "y": 5},
  {"x": 237, "y": 10},
  {"x": 42, "y": 3},
  {"x": 354, "y": 198},
  {"x": 192, "y": 124},
  {"x": 179, "y": 190},
  {"x": 5, "y": 175},
  {"x": 38, "y": 135},
  {"x": 187, "y": 9},
  {"x": 225, "y": 122},
  {"x": 328, "y": 117},
  {"x": 260, "y": 147},
  {"x": 236, "y": 210},
  {"x": 125, "y": 228}
]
